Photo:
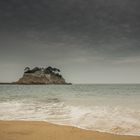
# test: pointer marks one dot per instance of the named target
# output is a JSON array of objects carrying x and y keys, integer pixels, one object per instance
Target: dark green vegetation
[{"x": 47, "y": 70}]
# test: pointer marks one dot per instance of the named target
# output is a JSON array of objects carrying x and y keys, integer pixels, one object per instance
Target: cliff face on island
[{"x": 37, "y": 75}]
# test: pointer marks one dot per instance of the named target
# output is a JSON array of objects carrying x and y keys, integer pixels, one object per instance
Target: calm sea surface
[{"x": 109, "y": 108}]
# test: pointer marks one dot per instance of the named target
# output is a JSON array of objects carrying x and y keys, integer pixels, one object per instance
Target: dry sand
[{"x": 27, "y": 130}]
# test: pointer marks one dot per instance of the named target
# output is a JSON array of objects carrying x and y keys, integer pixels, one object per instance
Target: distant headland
[{"x": 37, "y": 75}]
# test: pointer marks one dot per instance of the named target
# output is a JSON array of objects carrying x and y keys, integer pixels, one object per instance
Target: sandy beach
[{"x": 34, "y": 130}]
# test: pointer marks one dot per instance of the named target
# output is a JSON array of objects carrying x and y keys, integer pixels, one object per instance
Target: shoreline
[
  {"x": 36, "y": 130},
  {"x": 32, "y": 84}
]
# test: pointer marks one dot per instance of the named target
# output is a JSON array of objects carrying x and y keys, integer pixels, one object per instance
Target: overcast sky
[{"x": 91, "y": 41}]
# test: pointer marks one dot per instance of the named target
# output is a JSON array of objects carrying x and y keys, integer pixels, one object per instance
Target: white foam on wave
[{"x": 118, "y": 120}]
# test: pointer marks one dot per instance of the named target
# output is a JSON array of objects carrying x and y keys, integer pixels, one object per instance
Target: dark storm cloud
[
  {"x": 93, "y": 22},
  {"x": 82, "y": 32}
]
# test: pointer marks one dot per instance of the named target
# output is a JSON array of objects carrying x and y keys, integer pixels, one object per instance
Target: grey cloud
[{"x": 74, "y": 34}]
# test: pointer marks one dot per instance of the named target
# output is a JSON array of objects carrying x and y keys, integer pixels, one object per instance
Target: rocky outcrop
[{"x": 37, "y": 75}]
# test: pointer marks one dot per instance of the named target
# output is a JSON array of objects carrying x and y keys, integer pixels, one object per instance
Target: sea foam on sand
[
  {"x": 29, "y": 130},
  {"x": 117, "y": 120}
]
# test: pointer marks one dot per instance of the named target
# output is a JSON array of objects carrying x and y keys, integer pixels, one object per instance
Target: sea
[{"x": 111, "y": 108}]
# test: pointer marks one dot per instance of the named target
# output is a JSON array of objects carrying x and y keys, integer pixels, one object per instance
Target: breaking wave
[{"x": 117, "y": 120}]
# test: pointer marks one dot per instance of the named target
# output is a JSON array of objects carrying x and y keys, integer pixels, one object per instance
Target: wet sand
[{"x": 34, "y": 130}]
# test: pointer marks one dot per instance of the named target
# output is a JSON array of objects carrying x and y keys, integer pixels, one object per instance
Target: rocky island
[{"x": 38, "y": 75}]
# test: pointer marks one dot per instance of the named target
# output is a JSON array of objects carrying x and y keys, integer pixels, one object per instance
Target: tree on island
[
  {"x": 35, "y": 69},
  {"x": 51, "y": 70},
  {"x": 47, "y": 70},
  {"x": 26, "y": 70}
]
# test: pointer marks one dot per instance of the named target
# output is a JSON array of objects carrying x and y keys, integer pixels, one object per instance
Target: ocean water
[{"x": 110, "y": 108}]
